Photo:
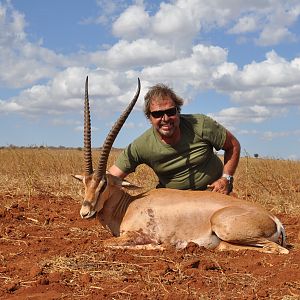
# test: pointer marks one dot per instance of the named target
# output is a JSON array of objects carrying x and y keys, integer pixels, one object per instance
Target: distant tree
[{"x": 256, "y": 155}]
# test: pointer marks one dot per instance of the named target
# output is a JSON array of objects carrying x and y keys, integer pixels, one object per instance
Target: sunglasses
[{"x": 160, "y": 113}]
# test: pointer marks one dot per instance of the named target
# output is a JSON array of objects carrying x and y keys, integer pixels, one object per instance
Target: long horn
[
  {"x": 113, "y": 134},
  {"x": 87, "y": 133}
]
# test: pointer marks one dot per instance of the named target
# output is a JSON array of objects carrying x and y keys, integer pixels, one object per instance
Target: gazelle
[{"x": 166, "y": 216}]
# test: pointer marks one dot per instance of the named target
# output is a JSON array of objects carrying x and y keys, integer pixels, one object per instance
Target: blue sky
[{"x": 237, "y": 61}]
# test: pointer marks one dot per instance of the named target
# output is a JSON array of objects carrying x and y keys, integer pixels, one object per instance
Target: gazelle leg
[
  {"x": 132, "y": 240},
  {"x": 239, "y": 228},
  {"x": 266, "y": 247}
]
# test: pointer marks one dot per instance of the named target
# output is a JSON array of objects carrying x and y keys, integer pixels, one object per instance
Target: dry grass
[
  {"x": 48, "y": 171},
  {"x": 27, "y": 172},
  {"x": 273, "y": 183}
]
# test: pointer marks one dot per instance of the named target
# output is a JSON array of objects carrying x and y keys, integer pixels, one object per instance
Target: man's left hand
[{"x": 220, "y": 186}]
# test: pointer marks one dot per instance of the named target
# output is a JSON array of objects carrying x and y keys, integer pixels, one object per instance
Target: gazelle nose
[
  {"x": 85, "y": 211},
  {"x": 84, "y": 215}
]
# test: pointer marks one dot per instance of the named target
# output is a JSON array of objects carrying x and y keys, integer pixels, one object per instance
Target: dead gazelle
[{"x": 167, "y": 216}]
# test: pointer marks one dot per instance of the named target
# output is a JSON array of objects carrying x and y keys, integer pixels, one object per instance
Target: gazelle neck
[{"x": 114, "y": 210}]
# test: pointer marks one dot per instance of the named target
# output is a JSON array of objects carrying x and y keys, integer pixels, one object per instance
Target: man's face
[{"x": 165, "y": 125}]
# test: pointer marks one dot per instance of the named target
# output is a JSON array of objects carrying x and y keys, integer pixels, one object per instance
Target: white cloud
[
  {"x": 194, "y": 70},
  {"x": 239, "y": 115},
  {"x": 270, "y": 135},
  {"x": 175, "y": 23},
  {"x": 181, "y": 22},
  {"x": 64, "y": 94},
  {"x": 271, "y": 21},
  {"x": 244, "y": 25},
  {"x": 108, "y": 11},
  {"x": 11, "y": 21},
  {"x": 138, "y": 53},
  {"x": 132, "y": 23},
  {"x": 277, "y": 21},
  {"x": 158, "y": 47},
  {"x": 55, "y": 98},
  {"x": 274, "y": 81},
  {"x": 273, "y": 35},
  {"x": 24, "y": 62}
]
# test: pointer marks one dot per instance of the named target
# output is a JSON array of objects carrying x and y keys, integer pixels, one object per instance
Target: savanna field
[{"x": 48, "y": 252}]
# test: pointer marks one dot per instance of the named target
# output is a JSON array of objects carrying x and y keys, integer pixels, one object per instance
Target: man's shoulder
[
  {"x": 193, "y": 119},
  {"x": 145, "y": 137},
  {"x": 201, "y": 124},
  {"x": 193, "y": 116}
]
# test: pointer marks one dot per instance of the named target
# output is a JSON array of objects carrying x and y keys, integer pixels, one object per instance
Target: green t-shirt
[{"x": 190, "y": 164}]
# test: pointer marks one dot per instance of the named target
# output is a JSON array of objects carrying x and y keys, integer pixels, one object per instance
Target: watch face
[{"x": 229, "y": 178}]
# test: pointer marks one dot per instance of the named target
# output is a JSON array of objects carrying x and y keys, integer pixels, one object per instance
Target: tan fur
[{"x": 167, "y": 216}]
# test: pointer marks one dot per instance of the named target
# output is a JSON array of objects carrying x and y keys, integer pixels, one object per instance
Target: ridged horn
[
  {"x": 87, "y": 133},
  {"x": 101, "y": 170}
]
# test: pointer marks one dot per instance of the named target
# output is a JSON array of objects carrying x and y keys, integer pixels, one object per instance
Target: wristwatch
[{"x": 229, "y": 178}]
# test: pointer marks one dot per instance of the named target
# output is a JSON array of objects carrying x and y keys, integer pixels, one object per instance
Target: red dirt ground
[{"x": 48, "y": 252}]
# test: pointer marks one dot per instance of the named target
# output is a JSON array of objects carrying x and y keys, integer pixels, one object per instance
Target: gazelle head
[{"x": 96, "y": 182}]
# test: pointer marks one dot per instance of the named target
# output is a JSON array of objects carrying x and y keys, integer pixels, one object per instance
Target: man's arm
[
  {"x": 115, "y": 171},
  {"x": 232, "y": 151}
]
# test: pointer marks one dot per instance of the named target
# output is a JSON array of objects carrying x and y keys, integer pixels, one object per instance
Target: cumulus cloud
[
  {"x": 175, "y": 24},
  {"x": 161, "y": 45},
  {"x": 40, "y": 99},
  {"x": 196, "y": 69},
  {"x": 138, "y": 53},
  {"x": 274, "y": 81},
  {"x": 183, "y": 20},
  {"x": 244, "y": 25},
  {"x": 24, "y": 62},
  {"x": 64, "y": 94},
  {"x": 273, "y": 35},
  {"x": 132, "y": 24},
  {"x": 238, "y": 115},
  {"x": 271, "y": 21}
]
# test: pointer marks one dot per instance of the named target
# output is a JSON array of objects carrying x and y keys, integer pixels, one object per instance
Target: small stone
[
  {"x": 43, "y": 281},
  {"x": 12, "y": 287}
]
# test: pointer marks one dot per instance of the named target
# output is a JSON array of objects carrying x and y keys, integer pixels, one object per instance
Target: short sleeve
[
  {"x": 214, "y": 132},
  {"x": 127, "y": 161}
]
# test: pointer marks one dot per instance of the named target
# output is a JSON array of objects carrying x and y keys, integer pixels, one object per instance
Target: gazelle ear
[
  {"x": 114, "y": 180},
  {"x": 78, "y": 177},
  {"x": 128, "y": 185}
]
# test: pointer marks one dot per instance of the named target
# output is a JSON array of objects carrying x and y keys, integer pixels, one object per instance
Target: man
[{"x": 180, "y": 148}]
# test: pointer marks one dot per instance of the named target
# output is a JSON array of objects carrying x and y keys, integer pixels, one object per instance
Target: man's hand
[{"x": 221, "y": 186}]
